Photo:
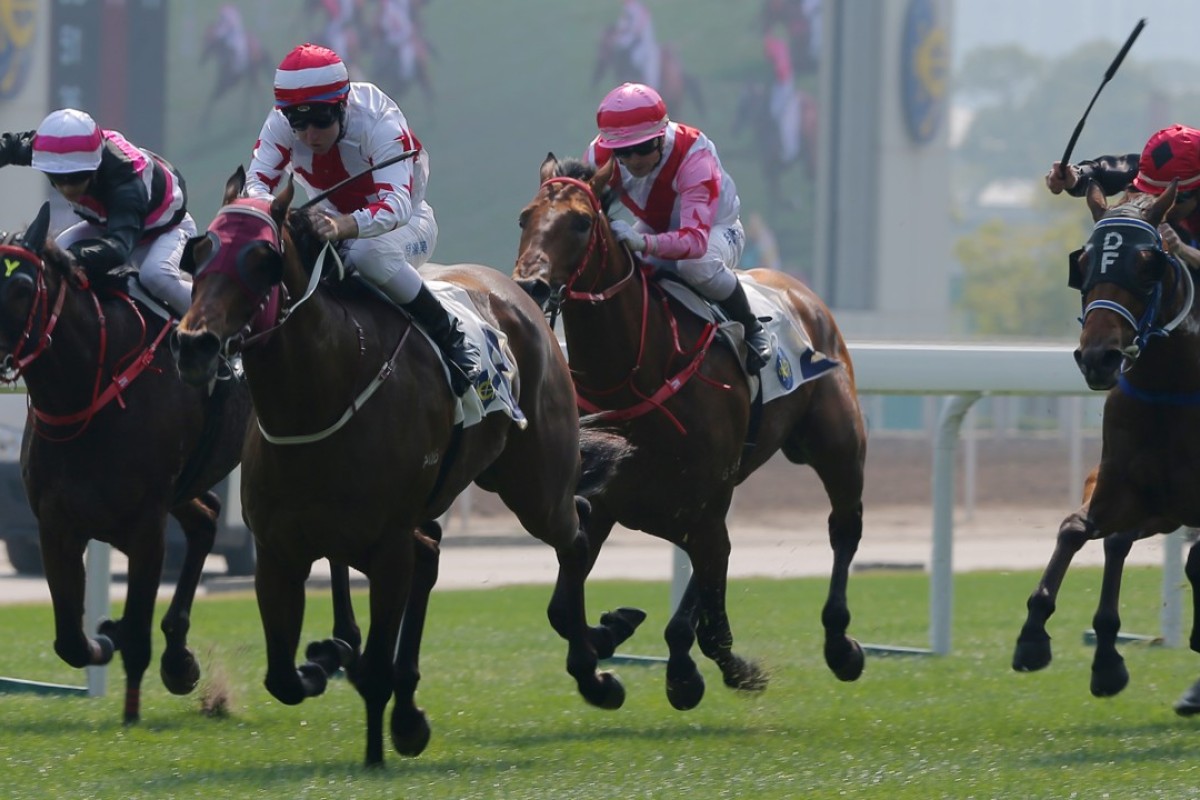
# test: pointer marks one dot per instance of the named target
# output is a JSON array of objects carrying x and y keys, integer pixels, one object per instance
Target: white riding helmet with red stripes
[
  {"x": 311, "y": 74},
  {"x": 631, "y": 114},
  {"x": 67, "y": 141}
]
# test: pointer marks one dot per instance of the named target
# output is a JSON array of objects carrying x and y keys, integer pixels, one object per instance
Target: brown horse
[
  {"x": 631, "y": 354},
  {"x": 363, "y": 473},
  {"x": 113, "y": 443},
  {"x": 1141, "y": 343}
]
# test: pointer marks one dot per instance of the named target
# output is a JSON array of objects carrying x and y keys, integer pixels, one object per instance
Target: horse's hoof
[
  {"x": 1189, "y": 704},
  {"x": 410, "y": 731},
  {"x": 746, "y": 676},
  {"x": 180, "y": 672},
  {"x": 1110, "y": 678},
  {"x": 615, "y": 628},
  {"x": 330, "y": 655},
  {"x": 845, "y": 658},
  {"x": 1032, "y": 654},
  {"x": 685, "y": 693},
  {"x": 607, "y": 692},
  {"x": 111, "y": 631}
]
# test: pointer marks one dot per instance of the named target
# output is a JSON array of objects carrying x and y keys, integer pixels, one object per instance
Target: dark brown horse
[
  {"x": 1141, "y": 343},
  {"x": 369, "y": 468},
  {"x": 697, "y": 438},
  {"x": 113, "y": 443}
]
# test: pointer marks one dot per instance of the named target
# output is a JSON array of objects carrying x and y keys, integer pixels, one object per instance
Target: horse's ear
[
  {"x": 602, "y": 177},
  {"x": 1158, "y": 211},
  {"x": 283, "y": 201},
  {"x": 1096, "y": 201},
  {"x": 196, "y": 250},
  {"x": 549, "y": 168},
  {"x": 234, "y": 186},
  {"x": 34, "y": 238}
]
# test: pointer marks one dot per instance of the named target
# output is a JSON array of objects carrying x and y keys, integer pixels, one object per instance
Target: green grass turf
[{"x": 507, "y": 722}]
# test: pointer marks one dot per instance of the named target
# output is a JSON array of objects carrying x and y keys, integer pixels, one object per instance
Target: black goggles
[
  {"x": 69, "y": 178},
  {"x": 318, "y": 116},
  {"x": 643, "y": 149}
]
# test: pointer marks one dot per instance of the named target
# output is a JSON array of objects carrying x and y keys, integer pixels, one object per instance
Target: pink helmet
[
  {"x": 67, "y": 141},
  {"x": 631, "y": 114},
  {"x": 1172, "y": 153},
  {"x": 311, "y": 74}
]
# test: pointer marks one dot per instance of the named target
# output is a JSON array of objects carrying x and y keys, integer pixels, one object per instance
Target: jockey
[
  {"x": 132, "y": 203},
  {"x": 324, "y": 129},
  {"x": 670, "y": 177},
  {"x": 1170, "y": 154},
  {"x": 633, "y": 33}
]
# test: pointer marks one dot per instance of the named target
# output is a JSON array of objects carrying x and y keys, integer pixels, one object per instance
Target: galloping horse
[
  {"x": 645, "y": 364},
  {"x": 357, "y": 445},
  {"x": 240, "y": 58},
  {"x": 114, "y": 441},
  {"x": 1141, "y": 342}
]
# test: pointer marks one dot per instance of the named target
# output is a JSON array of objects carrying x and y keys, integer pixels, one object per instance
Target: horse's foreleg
[
  {"x": 62, "y": 558},
  {"x": 390, "y": 573},
  {"x": 617, "y": 626},
  {"x": 710, "y": 560},
  {"x": 1109, "y": 675},
  {"x": 131, "y": 634},
  {"x": 843, "y": 654},
  {"x": 279, "y": 589},
  {"x": 410, "y": 728},
  {"x": 1189, "y": 704},
  {"x": 179, "y": 669},
  {"x": 343, "y": 650},
  {"x": 1033, "y": 644},
  {"x": 685, "y": 684}
]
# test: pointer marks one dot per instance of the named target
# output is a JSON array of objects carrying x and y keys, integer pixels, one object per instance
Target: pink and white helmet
[
  {"x": 67, "y": 141},
  {"x": 311, "y": 74},
  {"x": 631, "y": 114}
]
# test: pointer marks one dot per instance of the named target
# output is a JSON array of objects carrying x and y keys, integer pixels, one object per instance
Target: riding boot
[
  {"x": 460, "y": 355},
  {"x": 758, "y": 343}
]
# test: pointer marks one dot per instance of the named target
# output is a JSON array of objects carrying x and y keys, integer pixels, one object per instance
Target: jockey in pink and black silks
[
  {"x": 132, "y": 203},
  {"x": 685, "y": 204},
  {"x": 323, "y": 130}
]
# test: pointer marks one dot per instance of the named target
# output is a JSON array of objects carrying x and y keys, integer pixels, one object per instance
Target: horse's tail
[{"x": 603, "y": 450}]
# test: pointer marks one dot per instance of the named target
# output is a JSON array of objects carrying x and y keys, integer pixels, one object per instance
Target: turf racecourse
[{"x": 507, "y": 722}]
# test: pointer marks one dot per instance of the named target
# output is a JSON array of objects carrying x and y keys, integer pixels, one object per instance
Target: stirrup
[{"x": 758, "y": 351}]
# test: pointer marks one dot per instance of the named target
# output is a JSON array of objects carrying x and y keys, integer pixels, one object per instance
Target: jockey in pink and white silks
[
  {"x": 132, "y": 203},
  {"x": 633, "y": 33},
  {"x": 686, "y": 205},
  {"x": 324, "y": 129}
]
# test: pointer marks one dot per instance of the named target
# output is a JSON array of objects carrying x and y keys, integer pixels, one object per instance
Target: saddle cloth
[
  {"x": 493, "y": 389},
  {"x": 794, "y": 360}
]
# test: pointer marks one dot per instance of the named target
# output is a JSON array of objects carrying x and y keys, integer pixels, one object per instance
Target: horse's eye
[
  {"x": 522, "y": 219},
  {"x": 581, "y": 223}
]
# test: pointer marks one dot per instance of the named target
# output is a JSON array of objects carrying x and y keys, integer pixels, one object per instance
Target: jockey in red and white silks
[
  {"x": 396, "y": 227},
  {"x": 689, "y": 207},
  {"x": 132, "y": 202}
]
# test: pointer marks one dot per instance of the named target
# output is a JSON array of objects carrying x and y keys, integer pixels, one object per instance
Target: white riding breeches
[
  {"x": 392, "y": 259},
  {"x": 712, "y": 274},
  {"x": 157, "y": 260}
]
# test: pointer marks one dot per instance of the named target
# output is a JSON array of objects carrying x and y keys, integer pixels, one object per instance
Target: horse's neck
[{"x": 608, "y": 340}]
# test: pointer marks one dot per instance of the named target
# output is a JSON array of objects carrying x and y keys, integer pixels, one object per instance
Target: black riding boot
[
  {"x": 460, "y": 355},
  {"x": 758, "y": 343}
]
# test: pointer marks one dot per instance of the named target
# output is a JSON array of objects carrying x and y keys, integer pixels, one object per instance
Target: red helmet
[
  {"x": 1171, "y": 154},
  {"x": 67, "y": 141},
  {"x": 311, "y": 74},
  {"x": 631, "y": 114}
]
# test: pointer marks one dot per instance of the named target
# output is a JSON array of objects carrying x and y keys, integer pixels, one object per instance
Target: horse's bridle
[
  {"x": 14, "y": 363},
  {"x": 1144, "y": 327}
]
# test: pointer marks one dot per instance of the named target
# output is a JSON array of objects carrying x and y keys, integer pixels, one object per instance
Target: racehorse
[
  {"x": 676, "y": 84},
  {"x": 643, "y": 363},
  {"x": 1141, "y": 343},
  {"x": 344, "y": 472},
  {"x": 114, "y": 441},
  {"x": 775, "y": 153},
  {"x": 241, "y": 61}
]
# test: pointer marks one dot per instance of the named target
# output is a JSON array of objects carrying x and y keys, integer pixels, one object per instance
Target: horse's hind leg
[
  {"x": 1189, "y": 703},
  {"x": 410, "y": 728},
  {"x": 617, "y": 626},
  {"x": 179, "y": 669},
  {"x": 390, "y": 573},
  {"x": 1109, "y": 675},
  {"x": 1033, "y": 650}
]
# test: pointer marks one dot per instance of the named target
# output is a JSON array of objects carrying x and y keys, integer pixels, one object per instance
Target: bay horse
[
  {"x": 640, "y": 360},
  {"x": 329, "y": 473},
  {"x": 114, "y": 441},
  {"x": 1141, "y": 343}
]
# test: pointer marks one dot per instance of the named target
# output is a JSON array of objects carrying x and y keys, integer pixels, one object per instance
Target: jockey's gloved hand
[{"x": 625, "y": 233}]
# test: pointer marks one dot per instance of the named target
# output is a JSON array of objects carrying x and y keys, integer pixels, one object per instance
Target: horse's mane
[
  {"x": 304, "y": 235},
  {"x": 580, "y": 170}
]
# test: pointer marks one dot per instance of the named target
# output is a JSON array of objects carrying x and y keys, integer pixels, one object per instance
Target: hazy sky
[{"x": 1055, "y": 27}]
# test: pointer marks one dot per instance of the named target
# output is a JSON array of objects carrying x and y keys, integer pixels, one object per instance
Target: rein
[{"x": 673, "y": 384}]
